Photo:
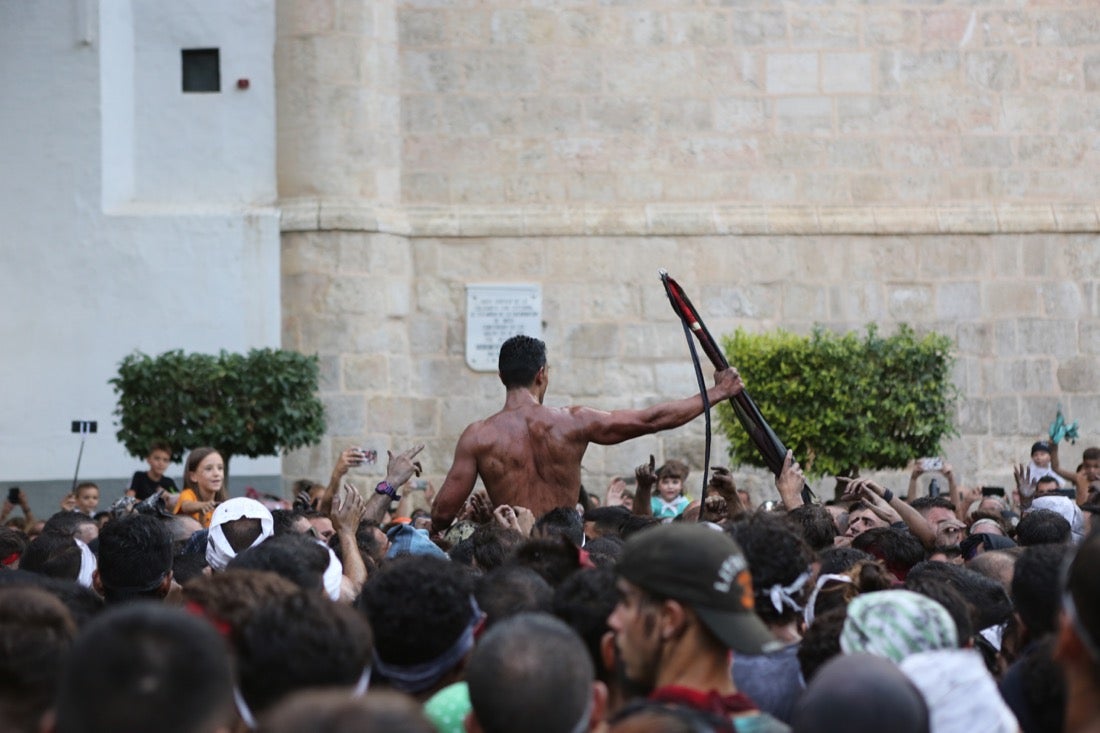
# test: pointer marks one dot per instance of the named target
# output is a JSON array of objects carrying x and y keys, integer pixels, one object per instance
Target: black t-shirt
[{"x": 144, "y": 487}]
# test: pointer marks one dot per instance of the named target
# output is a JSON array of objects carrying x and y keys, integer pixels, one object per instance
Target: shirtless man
[{"x": 529, "y": 455}]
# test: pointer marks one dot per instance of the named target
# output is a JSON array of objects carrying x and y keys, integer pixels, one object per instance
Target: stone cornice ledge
[{"x": 329, "y": 214}]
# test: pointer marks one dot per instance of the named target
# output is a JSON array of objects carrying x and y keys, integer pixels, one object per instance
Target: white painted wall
[{"x": 132, "y": 216}]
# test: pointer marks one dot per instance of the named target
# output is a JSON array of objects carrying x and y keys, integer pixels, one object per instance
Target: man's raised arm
[
  {"x": 458, "y": 484},
  {"x": 609, "y": 428}
]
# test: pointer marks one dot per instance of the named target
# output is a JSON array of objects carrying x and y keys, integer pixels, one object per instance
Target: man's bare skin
[{"x": 530, "y": 455}]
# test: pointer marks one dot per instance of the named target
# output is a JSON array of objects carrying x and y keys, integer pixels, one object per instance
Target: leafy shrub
[
  {"x": 845, "y": 402},
  {"x": 253, "y": 404}
]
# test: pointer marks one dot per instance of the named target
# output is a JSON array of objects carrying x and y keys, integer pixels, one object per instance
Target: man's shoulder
[{"x": 528, "y": 414}]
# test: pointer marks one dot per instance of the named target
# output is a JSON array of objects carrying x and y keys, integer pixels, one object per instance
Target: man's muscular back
[{"x": 530, "y": 456}]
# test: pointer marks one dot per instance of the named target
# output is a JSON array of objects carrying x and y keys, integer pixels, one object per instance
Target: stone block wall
[
  {"x": 386, "y": 314},
  {"x": 792, "y": 164},
  {"x": 583, "y": 101}
]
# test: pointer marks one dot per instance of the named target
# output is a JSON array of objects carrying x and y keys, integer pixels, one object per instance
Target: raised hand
[
  {"x": 348, "y": 508},
  {"x": 614, "y": 494},
  {"x": 646, "y": 474},
  {"x": 481, "y": 509},
  {"x": 790, "y": 481},
  {"x": 401, "y": 467},
  {"x": 506, "y": 517}
]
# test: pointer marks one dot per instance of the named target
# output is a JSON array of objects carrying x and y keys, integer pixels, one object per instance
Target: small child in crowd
[
  {"x": 87, "y": 498},
  {"x": 670, "y": 501},
  {"x": 146, "y": 483}
]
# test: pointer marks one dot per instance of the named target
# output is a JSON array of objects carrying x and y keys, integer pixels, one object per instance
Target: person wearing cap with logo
[{"x": 686, "y": 603}]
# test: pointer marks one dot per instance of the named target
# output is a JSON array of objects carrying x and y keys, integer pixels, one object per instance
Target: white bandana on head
[
  {"x": 334, "y": 573},
  {"x": 218, "y": 550},
  {"x": 88, "y": 564}
]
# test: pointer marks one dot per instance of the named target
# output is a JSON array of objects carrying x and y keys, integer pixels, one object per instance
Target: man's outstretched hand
[{"x": 728, "y": 383}]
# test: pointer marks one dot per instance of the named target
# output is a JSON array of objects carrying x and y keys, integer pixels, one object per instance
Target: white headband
[
  {"x": 808, "y": 613},
  {"x": 781, "y": 594},
  {"x": 88, "y": 564}
]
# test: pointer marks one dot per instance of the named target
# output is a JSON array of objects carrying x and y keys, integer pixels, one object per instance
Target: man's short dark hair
[
  {"x": 334, "y": 711},
  {"x": 35, "y": 633},
  {"x": 821, "y": 642},
  {"x": 1042, "y": 527},
  {"x": 942, "y": 592},
  {"x": 144, "y": 655},
  {"x": 12, "y": 542},
  {"x": 232, "y": 598},
  {"x": 298, "y": 558},
  {"x": 283, "y": 520},
  {"x": 554, "y": 559},
  {"x": 838, "y": 559},
  {"x": 638, "y": 523},
  {"x": 990, "y": 605},
  {"x": 369, "y": 541},
  {"x": 814, "y": 524},
  {"x": 1036, "y": 587},
  {"x": 1091, "y": 454},
  {"x": 462, "y": 553},
  {"x": 605, "y": 551},
  {"x": 923, "y": 503},
  {"x": 493, "y": 544},
  {"x": 1047, "y": 480},
  {"x": 66, "y": 522},
  {"x": 83, "y": 603},
  {"x": 241, "y": 533},
  {"x": 897, "y": 548},
  {"x": 418, "y": 606},
  {"x": 135, "y": 558},
  {"x": 53, "y": 554},
  {"x": 188, "y": 567},
  {"x": 584, "y": 601},
  {"x": 510, "y": 590},
  {"x": 560, "y": 521},
  {"x": 297, "y": 642},
  {"x": 521, "y": 357},
  {"x": 531, "y": 668},
  {"x": 608, "y": 519}
]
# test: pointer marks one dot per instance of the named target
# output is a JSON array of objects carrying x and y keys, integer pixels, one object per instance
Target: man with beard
[{"x": 686, "y": 601}]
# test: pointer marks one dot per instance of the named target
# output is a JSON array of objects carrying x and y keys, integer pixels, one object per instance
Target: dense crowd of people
[{"x": 642, "y": 607}]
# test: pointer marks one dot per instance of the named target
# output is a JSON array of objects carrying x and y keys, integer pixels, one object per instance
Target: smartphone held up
[{"x": 934, "y": 463}]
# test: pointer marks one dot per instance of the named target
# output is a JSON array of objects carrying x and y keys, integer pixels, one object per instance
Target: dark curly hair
[
  {"x": 418, "y": 606},
  {"x": 815, "y": 524},
  {"x": 296, "y": 642},
  {"x": 777, "y": 556}
]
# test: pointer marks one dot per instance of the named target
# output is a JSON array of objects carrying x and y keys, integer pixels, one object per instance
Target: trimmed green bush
[
  {"x": 846, "y": 402},
  {"x": 254, "y": 404}
]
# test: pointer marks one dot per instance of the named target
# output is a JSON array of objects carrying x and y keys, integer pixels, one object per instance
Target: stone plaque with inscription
[{"x": 495, "y": 313}]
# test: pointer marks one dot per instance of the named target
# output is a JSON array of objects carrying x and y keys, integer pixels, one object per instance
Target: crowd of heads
[{"x": 595, "y": 617}]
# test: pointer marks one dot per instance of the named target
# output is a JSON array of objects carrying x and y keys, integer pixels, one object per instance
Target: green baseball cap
[{"x": 704, "y": 569}]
